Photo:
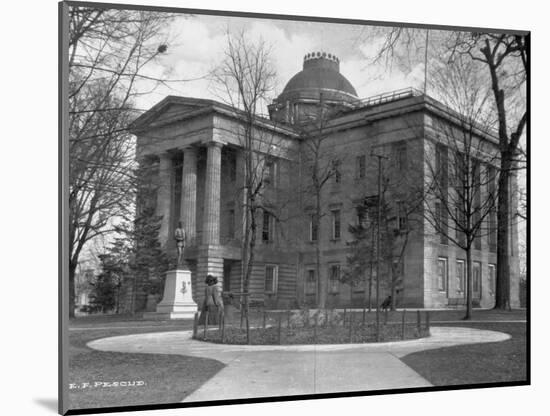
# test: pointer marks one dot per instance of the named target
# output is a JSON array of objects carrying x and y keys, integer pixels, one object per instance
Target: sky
[{"x": 196, "y": 45}]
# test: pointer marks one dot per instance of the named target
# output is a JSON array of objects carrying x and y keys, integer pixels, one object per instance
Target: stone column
[
  {"x": 189, "y": 194},
  {"x": 164, "y": 196},
  {"x": 211, "y": 217}
]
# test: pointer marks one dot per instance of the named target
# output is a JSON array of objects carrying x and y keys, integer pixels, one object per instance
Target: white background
[{"x": 29, "y": 210}]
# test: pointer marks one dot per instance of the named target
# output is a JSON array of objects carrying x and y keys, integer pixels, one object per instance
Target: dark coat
[{"x": 213, "y": 303}]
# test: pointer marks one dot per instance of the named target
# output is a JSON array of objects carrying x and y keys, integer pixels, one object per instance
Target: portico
[
  {"x": 196, "y": 149},
  {"x": 202, "y": 227}
]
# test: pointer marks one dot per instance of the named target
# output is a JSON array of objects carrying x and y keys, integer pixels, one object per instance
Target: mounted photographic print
[{"x": 262, "y": 207}]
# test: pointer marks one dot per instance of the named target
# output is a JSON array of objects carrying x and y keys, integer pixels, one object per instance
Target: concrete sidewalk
[{"x": 277, "y": 370}]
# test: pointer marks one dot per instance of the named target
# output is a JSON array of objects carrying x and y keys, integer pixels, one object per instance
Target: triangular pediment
[{"x": 170, "y": 108}]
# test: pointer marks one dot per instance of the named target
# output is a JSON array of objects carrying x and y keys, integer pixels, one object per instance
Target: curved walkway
[{"x": 282, "y": 370}]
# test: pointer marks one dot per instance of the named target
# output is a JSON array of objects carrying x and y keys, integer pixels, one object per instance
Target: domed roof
[{"x": 321, "y": 71}]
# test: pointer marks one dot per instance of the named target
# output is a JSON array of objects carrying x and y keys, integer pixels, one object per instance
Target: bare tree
[
  {"x": 321, "y": 166},
  {"x": 108, "y": 52},
  {"x": 246, "y": 78},
  {"x": 504, "y": 60},
  {"x": 461, "y": 190},
  {"x": 401, "y": 198}
]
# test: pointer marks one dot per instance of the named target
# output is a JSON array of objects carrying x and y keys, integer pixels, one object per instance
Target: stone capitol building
[{"x": 195, "y": 149}]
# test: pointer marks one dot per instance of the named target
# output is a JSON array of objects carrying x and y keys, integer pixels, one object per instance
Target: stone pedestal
[{"x": 177, "y": 302}]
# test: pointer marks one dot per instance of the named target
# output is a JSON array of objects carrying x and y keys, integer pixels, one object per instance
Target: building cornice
[
  {"x": 146, "y": 122},
  {"x": 366, "y": 115}
]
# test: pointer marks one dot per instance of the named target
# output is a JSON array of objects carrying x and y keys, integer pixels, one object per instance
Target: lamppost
[{"x": 380, "y": 157}]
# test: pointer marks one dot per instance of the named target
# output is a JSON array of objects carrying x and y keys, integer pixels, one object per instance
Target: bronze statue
[{"x": 179, "y": 236}]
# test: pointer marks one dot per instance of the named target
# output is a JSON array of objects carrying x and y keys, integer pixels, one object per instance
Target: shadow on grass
[
  {"x": 156, "y": 378},
  {"x": 477, "y": 363},
  {"x": 164, "y": 378}
]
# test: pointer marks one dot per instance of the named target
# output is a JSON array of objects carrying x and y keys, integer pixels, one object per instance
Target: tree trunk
[
  {"x": 502, "y": 295},
  {"x": 321, "y": 292},
  {"x": 248, "y": 272},
  {"x": 468, "y": 284},
  {"x": 393, "y": 280}
]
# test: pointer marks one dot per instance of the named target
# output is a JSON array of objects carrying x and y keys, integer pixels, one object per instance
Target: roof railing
[{"x": 388, "y": 97}]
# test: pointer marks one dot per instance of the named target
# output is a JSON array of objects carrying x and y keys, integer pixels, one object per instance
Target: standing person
[
  {"x": 386, "y": 304},
  {"x": 213, "y": 302}
]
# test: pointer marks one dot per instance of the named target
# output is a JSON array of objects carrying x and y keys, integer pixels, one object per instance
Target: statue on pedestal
[{"x": 179, "y": 236}]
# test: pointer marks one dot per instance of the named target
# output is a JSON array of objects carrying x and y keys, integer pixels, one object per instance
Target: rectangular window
[
  {"x": 270, "y": 176},
  {"x": 359, "y": 285},
  {"x": 460, "y": 275},
  {"x": 442, "y": 166},
  {"x": 492, "y": 216},
  {"x": 492, "y": 279},
  {"x": 311, "y": 282},
  {"x": 442, "y": 273},
  {"x": 271, "y": 277},
  {"x": 334, "y": 278},
  {"x": 232, "y": 162},
  {"x": 476, "y": 217},
  {"x": 267, "y": 227},
  {"x": 360, "y": 166},
  {"x": 337, "y": 175},
  {"x": 401, "y": 215},
  {"x": 492, "y": 220},
  {"x": 336, "y": 224},
  {"x": 441, "y": 223},
  {"x": 476, "y": 278},
  {"x": 313, "y": 229},
  {"x": 400, "y": 156},
  {"x": 460, "y": 225},
  {"x": 231, "y": 223}
]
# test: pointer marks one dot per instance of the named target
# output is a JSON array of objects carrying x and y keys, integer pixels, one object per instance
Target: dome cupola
[{"x": 320, "y": 79}]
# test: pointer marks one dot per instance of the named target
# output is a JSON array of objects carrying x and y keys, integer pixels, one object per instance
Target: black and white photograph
[{"x": 275, "y": 207}]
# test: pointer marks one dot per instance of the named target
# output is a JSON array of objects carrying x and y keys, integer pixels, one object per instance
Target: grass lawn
[
  {"x": 170, "y": 378},
  {"x": 167, "y": 378},
  {"x": 476, "y": 363}
]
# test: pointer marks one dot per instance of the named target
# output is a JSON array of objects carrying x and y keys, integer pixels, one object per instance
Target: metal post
[
  {"x": 315, "y": 331},
  {"x": 428, "y": 321},
  {"x": 279, "y": 328},
  {"x": 350, "y": 326}
]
